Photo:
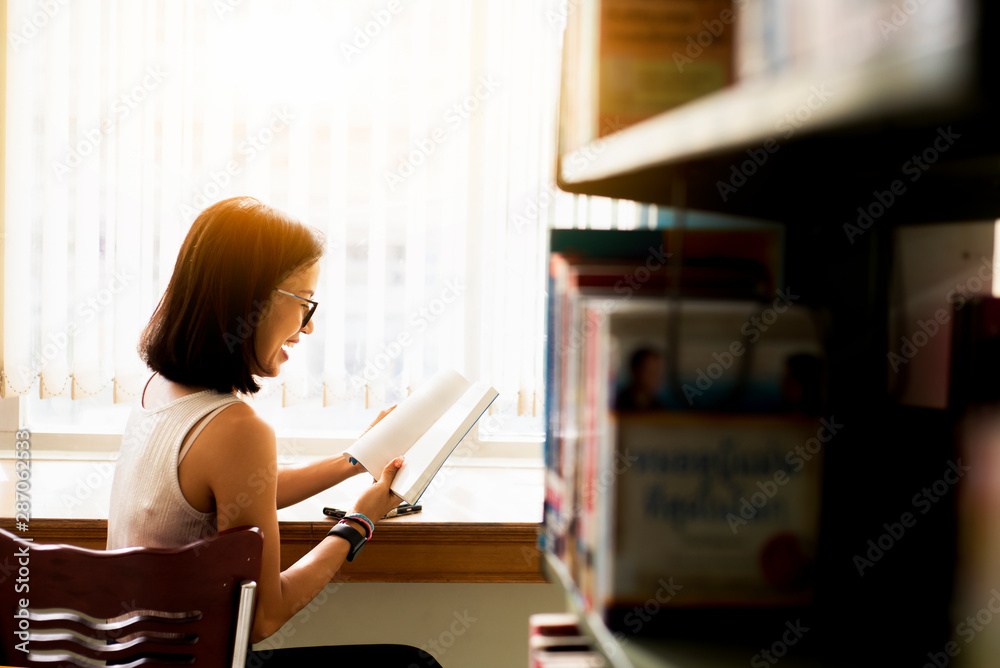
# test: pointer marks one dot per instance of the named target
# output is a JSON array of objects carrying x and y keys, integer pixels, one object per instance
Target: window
[{"x": 419, "y": 137}]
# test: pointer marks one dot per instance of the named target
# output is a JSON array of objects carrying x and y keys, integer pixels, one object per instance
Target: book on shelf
[
  {"x": 702, "y": 261},
  {"x": 778, "y": 37},
  {"x": 627, "y": 60},
  {"x": 556, "y": 639},
  {"x": 674, "y": 459},
  {"x": 426, "y": 428},
  {"x": 720, "y": 355}
]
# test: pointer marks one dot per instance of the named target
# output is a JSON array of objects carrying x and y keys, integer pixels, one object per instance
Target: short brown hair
[{"x": 236, "y": 252}]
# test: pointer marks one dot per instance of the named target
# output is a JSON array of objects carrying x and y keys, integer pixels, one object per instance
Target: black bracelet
[
  {"x": 344, "y": 521},
  {"x": 353, "y": 537},
  {"x": 369, "y": 525}
]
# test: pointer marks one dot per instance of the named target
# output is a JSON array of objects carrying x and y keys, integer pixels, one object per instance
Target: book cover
[
  {"x": 741, "y": 355},
  {"x": 728, "y": 505},
  {"x": 724, "y": 502}
]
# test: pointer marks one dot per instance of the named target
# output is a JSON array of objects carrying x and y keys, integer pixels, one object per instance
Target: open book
[{"x": 425, "y": 428}]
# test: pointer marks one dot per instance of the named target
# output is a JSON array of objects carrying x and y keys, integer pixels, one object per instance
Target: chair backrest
[{"x": 132, "y": 606}]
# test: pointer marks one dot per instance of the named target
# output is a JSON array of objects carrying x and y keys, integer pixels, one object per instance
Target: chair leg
[{"x": 244, "y": 618}]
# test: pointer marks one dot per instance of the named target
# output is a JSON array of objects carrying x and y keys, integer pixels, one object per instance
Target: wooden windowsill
[{"x": 479, "y": 524}]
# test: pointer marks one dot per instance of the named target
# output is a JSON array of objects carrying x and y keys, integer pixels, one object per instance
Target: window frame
[{"x": 75, "y": 444}]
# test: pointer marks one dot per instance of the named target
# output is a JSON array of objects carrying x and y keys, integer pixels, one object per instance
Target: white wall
[{"x": 481, "y": 625}]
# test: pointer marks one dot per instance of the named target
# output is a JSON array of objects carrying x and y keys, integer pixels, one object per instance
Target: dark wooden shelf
[
  {"x": 844, "y": 154},
  {"x": 875, "y": 117},
  {"x": 622, "y": 651}
]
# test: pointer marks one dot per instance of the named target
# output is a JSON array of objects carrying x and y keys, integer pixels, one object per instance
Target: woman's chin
[
  {"x": 274, "y": 365},
  {"x": 271, "y": 371}
]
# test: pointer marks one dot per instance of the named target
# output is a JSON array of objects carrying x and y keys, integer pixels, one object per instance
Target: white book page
[
  {"x": 397, "y": 431},
  {"x": 430, "y": 451}
]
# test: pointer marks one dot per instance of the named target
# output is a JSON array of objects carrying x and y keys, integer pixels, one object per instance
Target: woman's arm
[
  {"x": 229, "y": 456},
  {"x": 299, "y": 483}
]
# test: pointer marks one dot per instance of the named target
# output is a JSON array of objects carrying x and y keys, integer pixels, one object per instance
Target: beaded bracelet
[
  {"x": 369, "y": 525},
  {"x": 369, "y": 529},
  {"x": 359, "y": 516}
]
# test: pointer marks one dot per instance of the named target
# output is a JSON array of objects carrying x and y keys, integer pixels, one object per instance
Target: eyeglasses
[{"x": 309, "y": 313}]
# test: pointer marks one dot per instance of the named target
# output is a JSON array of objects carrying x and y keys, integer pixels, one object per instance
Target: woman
[{"x": 241, "y": 292}]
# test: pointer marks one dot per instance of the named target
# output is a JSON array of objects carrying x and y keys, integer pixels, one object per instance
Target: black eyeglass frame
[{"x": 312, "y": 309}]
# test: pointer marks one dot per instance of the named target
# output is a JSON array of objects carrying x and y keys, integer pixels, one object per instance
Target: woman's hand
[
  {"x": 377, "y": 500},
  {"x": 379, "y": 418},
  {"x": 357, "y": 468}
]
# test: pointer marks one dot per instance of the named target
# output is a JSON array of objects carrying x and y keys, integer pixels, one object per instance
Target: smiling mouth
[{"x": 289, "y": 344}]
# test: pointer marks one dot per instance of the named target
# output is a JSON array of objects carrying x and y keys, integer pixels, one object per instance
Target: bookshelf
[
  {"x": 626, "y": 652},
  {"x": 873, "y": 116},
  {"x": 849, "y": 149}
]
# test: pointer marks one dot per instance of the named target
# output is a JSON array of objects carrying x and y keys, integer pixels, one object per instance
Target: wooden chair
[{"x": 191, "y": 605}]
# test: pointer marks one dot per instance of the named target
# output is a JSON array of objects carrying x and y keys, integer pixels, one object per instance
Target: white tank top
[{"x": 148, "y": 508}]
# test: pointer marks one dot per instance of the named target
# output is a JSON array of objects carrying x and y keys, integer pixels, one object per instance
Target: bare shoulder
[
  {"x": 239, "y": 426},
  {"x": 240, "y": 413}
]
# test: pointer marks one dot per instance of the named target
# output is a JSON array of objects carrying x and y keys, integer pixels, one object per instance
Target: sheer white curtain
[{"x": 418, "y": 136}]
